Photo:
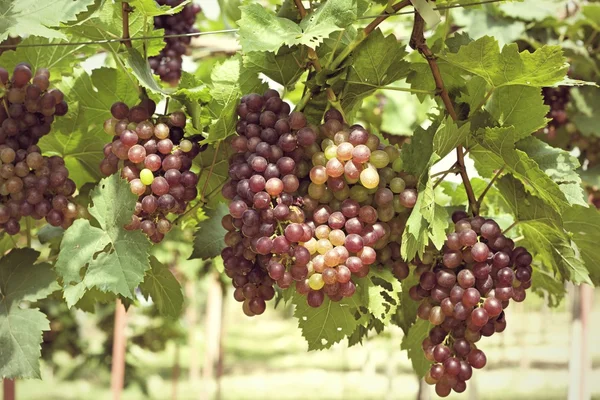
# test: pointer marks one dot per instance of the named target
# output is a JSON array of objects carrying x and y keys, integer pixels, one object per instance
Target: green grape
[
  {"x": 397, "y": 185},
  {"x": 146, "y": 176},
  {"x": 379, "y": 159},
  {"x": 386, "y": 175},
  {"x": 326, "y": 143},
  {"x": 316, "y": 282},
  {"x": 398, "y": 207},
  {"x": 393, "y": 152},
  {"x": 331, "y": 152},
  {"x": 185, "y": 145},
  {"x": 316, "y": 191},
  {"x": 397, "y": 165},
  {"x": 385, "y": 213},
  {"x": 327, "y": 197},
  {"x": 343, "y": 194},
  {"x": 359, "y": 193},
  {"x": 319, "y": 159},
  {"x": 369, "y": 177}
]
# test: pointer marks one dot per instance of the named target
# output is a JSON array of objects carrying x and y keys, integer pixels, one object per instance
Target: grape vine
[{"x": 318, "y": 160}]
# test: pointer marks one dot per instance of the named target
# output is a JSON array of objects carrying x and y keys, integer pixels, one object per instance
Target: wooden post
[
  {"x": 580, "y": 362},
  {"x": 176, "y": 371},
  {"x": 212, "y": 324},
  {"x": 191, "y": 318},
  {"x": 117, "y": 378},
  {"x": 9, "y": 389}
]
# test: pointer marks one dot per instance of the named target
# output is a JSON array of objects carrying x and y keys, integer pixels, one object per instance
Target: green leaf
[
  {"x": 406, "y": 314},
  {"x": 108, "y": 257},
  {"x": 160, "y": 284},
  {"x": 519, "y": 106},
  {"x": 285, "y": 67},
  {"x": 79, "y": 137},
  {"x": 544, "y": 67},
  {"x": 545, "y": 283},
  {"x": 141, "y": 69},
  {"x": 194, "y": 96},
  {"x": 412, "y": 344},
  {"x": 586, "y": 103},
  {"x": 106, "y": 23},
  {"x": 324, "y": 326},
  {"x": 376, "y": 62},
  {"x": 543, "y": 232},
  {"x": 584, "y": 225},
  {"x": 230, "y": 80},
  {"x": 481, "y": 22},
  {"x": 420, "y": 78},
  {"x": 533, "y": 10},
  {"x": 262, "y": 30},
  {"x": 209, "y": 236},
  {"x": 496, "y": 149},
  {"x": 31, "y": 17},
  {"x": 220, "y": 172},
  {"x": 21, "y": 329},
  {"x": 57, "y": 59},
  {"x": 559, "y": 165},
  {"x": 476, "y": 92},
  {"x": 150, "y": 8},
  {"x": 449, "y": 136},
  {"x": 382, "y": 291},
  {"x": 329, "y": 17}
]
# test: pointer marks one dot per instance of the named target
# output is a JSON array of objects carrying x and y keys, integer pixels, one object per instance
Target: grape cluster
[
  {"x": 168, "y": 63},
  {"x": 557, "y": 98},
  {"x": 156, "y": 160},
  {"x": 309, "y": 205},
  {"x": 463, "y": 293},
  {"x": 31, "y": 184}
]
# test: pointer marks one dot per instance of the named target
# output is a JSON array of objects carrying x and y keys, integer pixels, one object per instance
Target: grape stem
[
  {"x": 488, "y": 187},
  {"x": 510, "y": 227},
  {"x": 125, "y": 10},
  {"x": 417, "y": 41}
]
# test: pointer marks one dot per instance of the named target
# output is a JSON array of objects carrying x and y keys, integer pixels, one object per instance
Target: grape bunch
[
  {"x": 463, "y": 293},
  {"x": 168, "y": 63},
  {"x": 309, "y": 205},
  {"x": 557, "y": 98},
  {"x": 156, "y": 160},
  {"x": 31, "y": 184}
]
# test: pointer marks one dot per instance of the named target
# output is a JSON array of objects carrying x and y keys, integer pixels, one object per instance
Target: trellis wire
[{"x": 223, "y": 31}]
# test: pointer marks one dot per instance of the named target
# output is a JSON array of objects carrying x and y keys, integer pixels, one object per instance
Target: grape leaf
[
  {"x": 449, "y": 136},
  {"x": 586, "y": 103},
  {"x": 376, "y": 62},
  {"x": 543, "y": 231},
  {"x": 194, "y": 96},
  {"x": 285, "y": 67},
  {"x": 533, "y": 10},
  {"x": 475, "y": 95},
  {"x": 520, "y": 106},
  {"x": 106, "y": 23},
  {"x": 420, "y": 78},
  {"x": 559, "y": 165},
  {"x": 495, "y": 149},
  {"x": 57, "y": 59},
  {"x": 79, "y": 137},
  {"x": 107, "y": 257},
  {"x": 30, "y": 17},
  {"x": 482, "y": 22},
  {"x": 329, "y": 17},
  {"x": 412, "y": 341},
  {"x": 544, "y": 282},
  {"x": 230, "y": 80},
  {"x": 150, "y": 8},
  {"x": 382, "y": 291},
  {"x": 584, "y": 226},
  {"x": 262, "y": 30},
  {"x": 210, "y": 183},
  {"x": 406, "y": 314},
  {"x": 160, "y": 284},
  {"x": 141, "y": 69},
  {"x": 544, "y": 67},
  {"x": 330, "y": 323},
  {"x": 209, "y": 235},
  {"x": 20, "y": 328}
]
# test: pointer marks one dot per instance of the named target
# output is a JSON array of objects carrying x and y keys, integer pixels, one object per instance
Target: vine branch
[
  {"x": 417, "y": 41},
  {"x": 488, "y": 187},
  {"x": 125, "y": 10}
]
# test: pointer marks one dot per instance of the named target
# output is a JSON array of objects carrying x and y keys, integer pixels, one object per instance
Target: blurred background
[{"x": 549, "y": 350}]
